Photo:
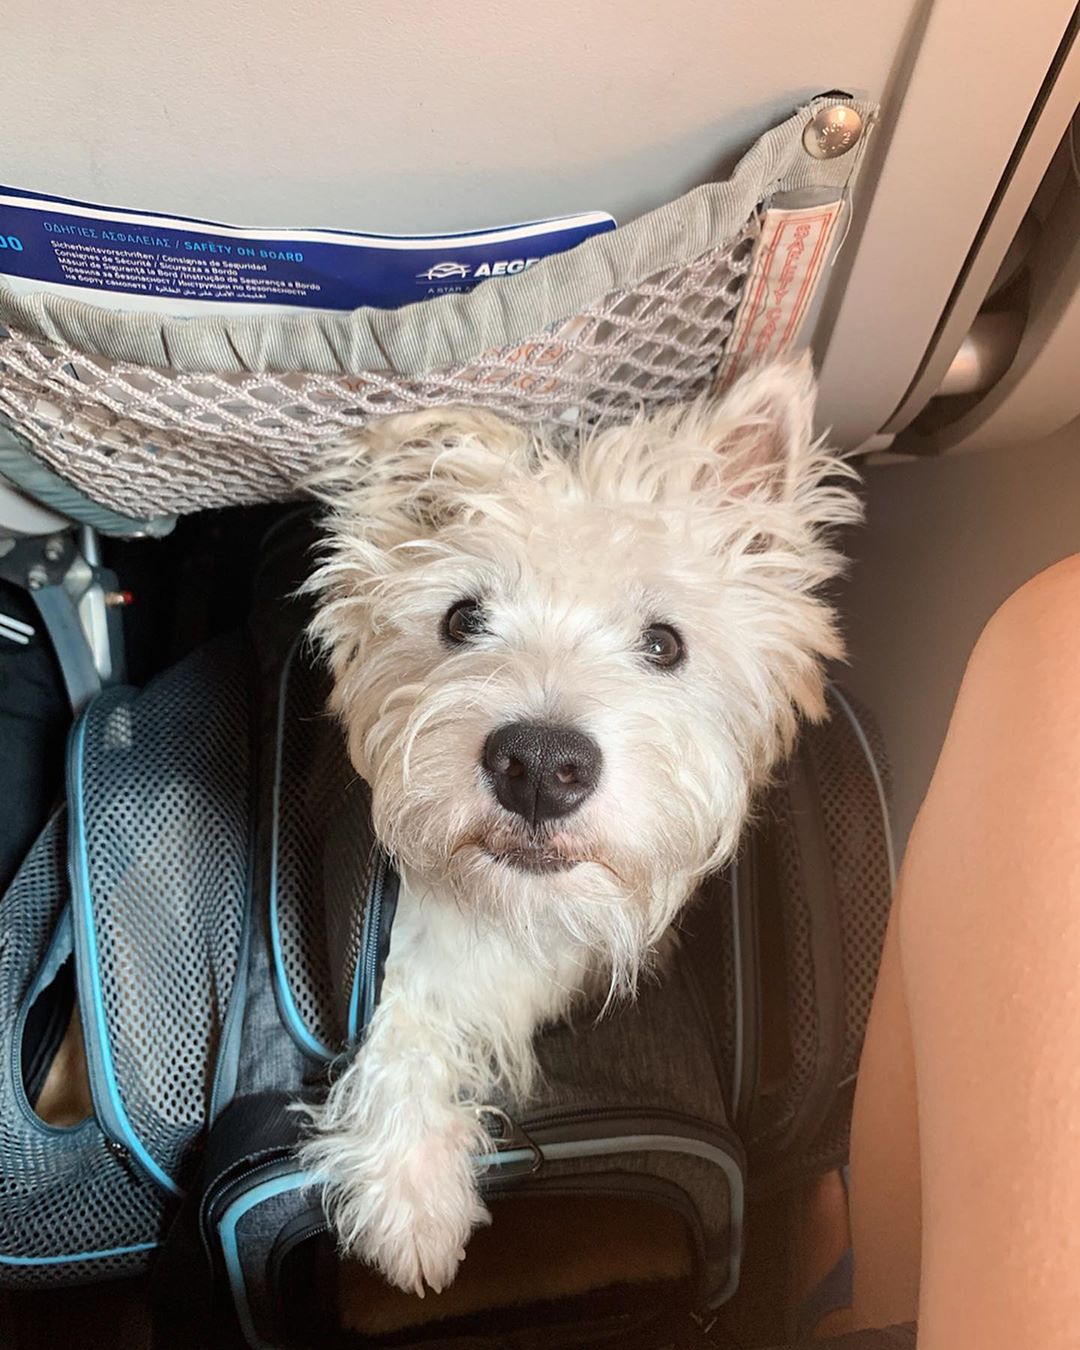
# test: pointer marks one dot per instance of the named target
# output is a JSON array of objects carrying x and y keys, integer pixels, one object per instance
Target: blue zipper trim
[
  {"x": 230, "y": 1249},
  {"x": 367, "y": 957},
  {"x": 107, "y": 1100},
  {"x": 77, "y": 1256}
]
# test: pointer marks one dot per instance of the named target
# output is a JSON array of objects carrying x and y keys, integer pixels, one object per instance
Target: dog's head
[{"x": 564, "y": 665}]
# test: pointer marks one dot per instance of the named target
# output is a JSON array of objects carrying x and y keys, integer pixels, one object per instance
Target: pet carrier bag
[
  {"x": 628, "y": 1135},
  {"x": 223, "y": 934},
  {"x": 631, "y": 1126},
  {"x": 636, "y": 1105}
]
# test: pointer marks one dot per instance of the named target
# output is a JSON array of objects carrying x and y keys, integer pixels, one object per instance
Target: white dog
[{"x": 563, "y": 666}]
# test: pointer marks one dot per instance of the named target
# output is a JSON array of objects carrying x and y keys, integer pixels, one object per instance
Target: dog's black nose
[{"x": 541, "y": 771}]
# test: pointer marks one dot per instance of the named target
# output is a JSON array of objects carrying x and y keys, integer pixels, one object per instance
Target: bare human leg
[{"x": 966, "y": 1148}]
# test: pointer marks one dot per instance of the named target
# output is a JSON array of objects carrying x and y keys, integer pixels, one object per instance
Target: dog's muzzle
[{"x": 539, "y": 771}]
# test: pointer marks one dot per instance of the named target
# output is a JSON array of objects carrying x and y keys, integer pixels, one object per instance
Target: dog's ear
[
  {"x": 421, "y": 466},
  {"x": 761, "y": 430}
]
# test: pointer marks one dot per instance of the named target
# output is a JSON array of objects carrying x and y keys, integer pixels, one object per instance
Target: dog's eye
[
  {"x": 662, "y": 646},
  {"x": 464, "y": 620}
]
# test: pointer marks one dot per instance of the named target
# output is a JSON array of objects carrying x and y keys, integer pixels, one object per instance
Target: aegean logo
[
  {"x": 456, "y": 271},
  {"x": 444, "y": 271}
]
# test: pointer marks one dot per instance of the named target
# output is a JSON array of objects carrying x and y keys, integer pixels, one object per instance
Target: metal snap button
[{"x": 832, "y": 132}]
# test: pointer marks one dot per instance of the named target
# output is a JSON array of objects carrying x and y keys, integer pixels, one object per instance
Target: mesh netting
[
  {"x": 857, "y": 838},
  {"x": 71, "y": 1209},
  {"x": 324, "y": 858},
  {"x": 150, "y": 442},
  {"x": 165, "y": 793},
  {"x": 708, "y": 927},
  {"x": 859, "y": 845}
]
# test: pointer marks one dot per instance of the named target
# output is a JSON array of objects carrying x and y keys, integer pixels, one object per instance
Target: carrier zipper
[
  {"x": 365, "y": 986},
  {"x": 522, "y": 1134},
  {"x": 371, "y": 952},
  {"x": 695, "y": 1125},
  {"x": 283, "y": 1249},
  {"x": 123, "y": 1157},
  {"x": 361, "y": 1002},
  {"x": 219, "y": 1190}
]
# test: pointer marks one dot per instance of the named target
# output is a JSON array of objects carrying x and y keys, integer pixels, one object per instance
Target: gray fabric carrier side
[{"x": 636, "y": 1093}]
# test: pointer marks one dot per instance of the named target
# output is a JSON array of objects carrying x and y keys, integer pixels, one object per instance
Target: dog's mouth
[
  {"x": 525, "y": 859},
  {"x": 521, "y": 855}
]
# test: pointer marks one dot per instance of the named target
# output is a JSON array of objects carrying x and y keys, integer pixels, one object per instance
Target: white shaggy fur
[{"x": 712, "y": 518}]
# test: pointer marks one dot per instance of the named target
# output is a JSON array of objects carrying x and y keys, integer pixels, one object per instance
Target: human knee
[
  {"x": 1013, "y": 742},
  {"x": 1035, "y": 633}
]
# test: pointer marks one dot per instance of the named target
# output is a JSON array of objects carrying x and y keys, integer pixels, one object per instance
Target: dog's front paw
[
  {"x": 410, "y": 1217},
  {"x": 419, "y": 1241},
  {"x": 421, "y": 1216}
]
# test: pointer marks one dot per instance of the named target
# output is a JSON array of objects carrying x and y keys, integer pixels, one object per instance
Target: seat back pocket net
[{"x": 152, "y": 416}]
